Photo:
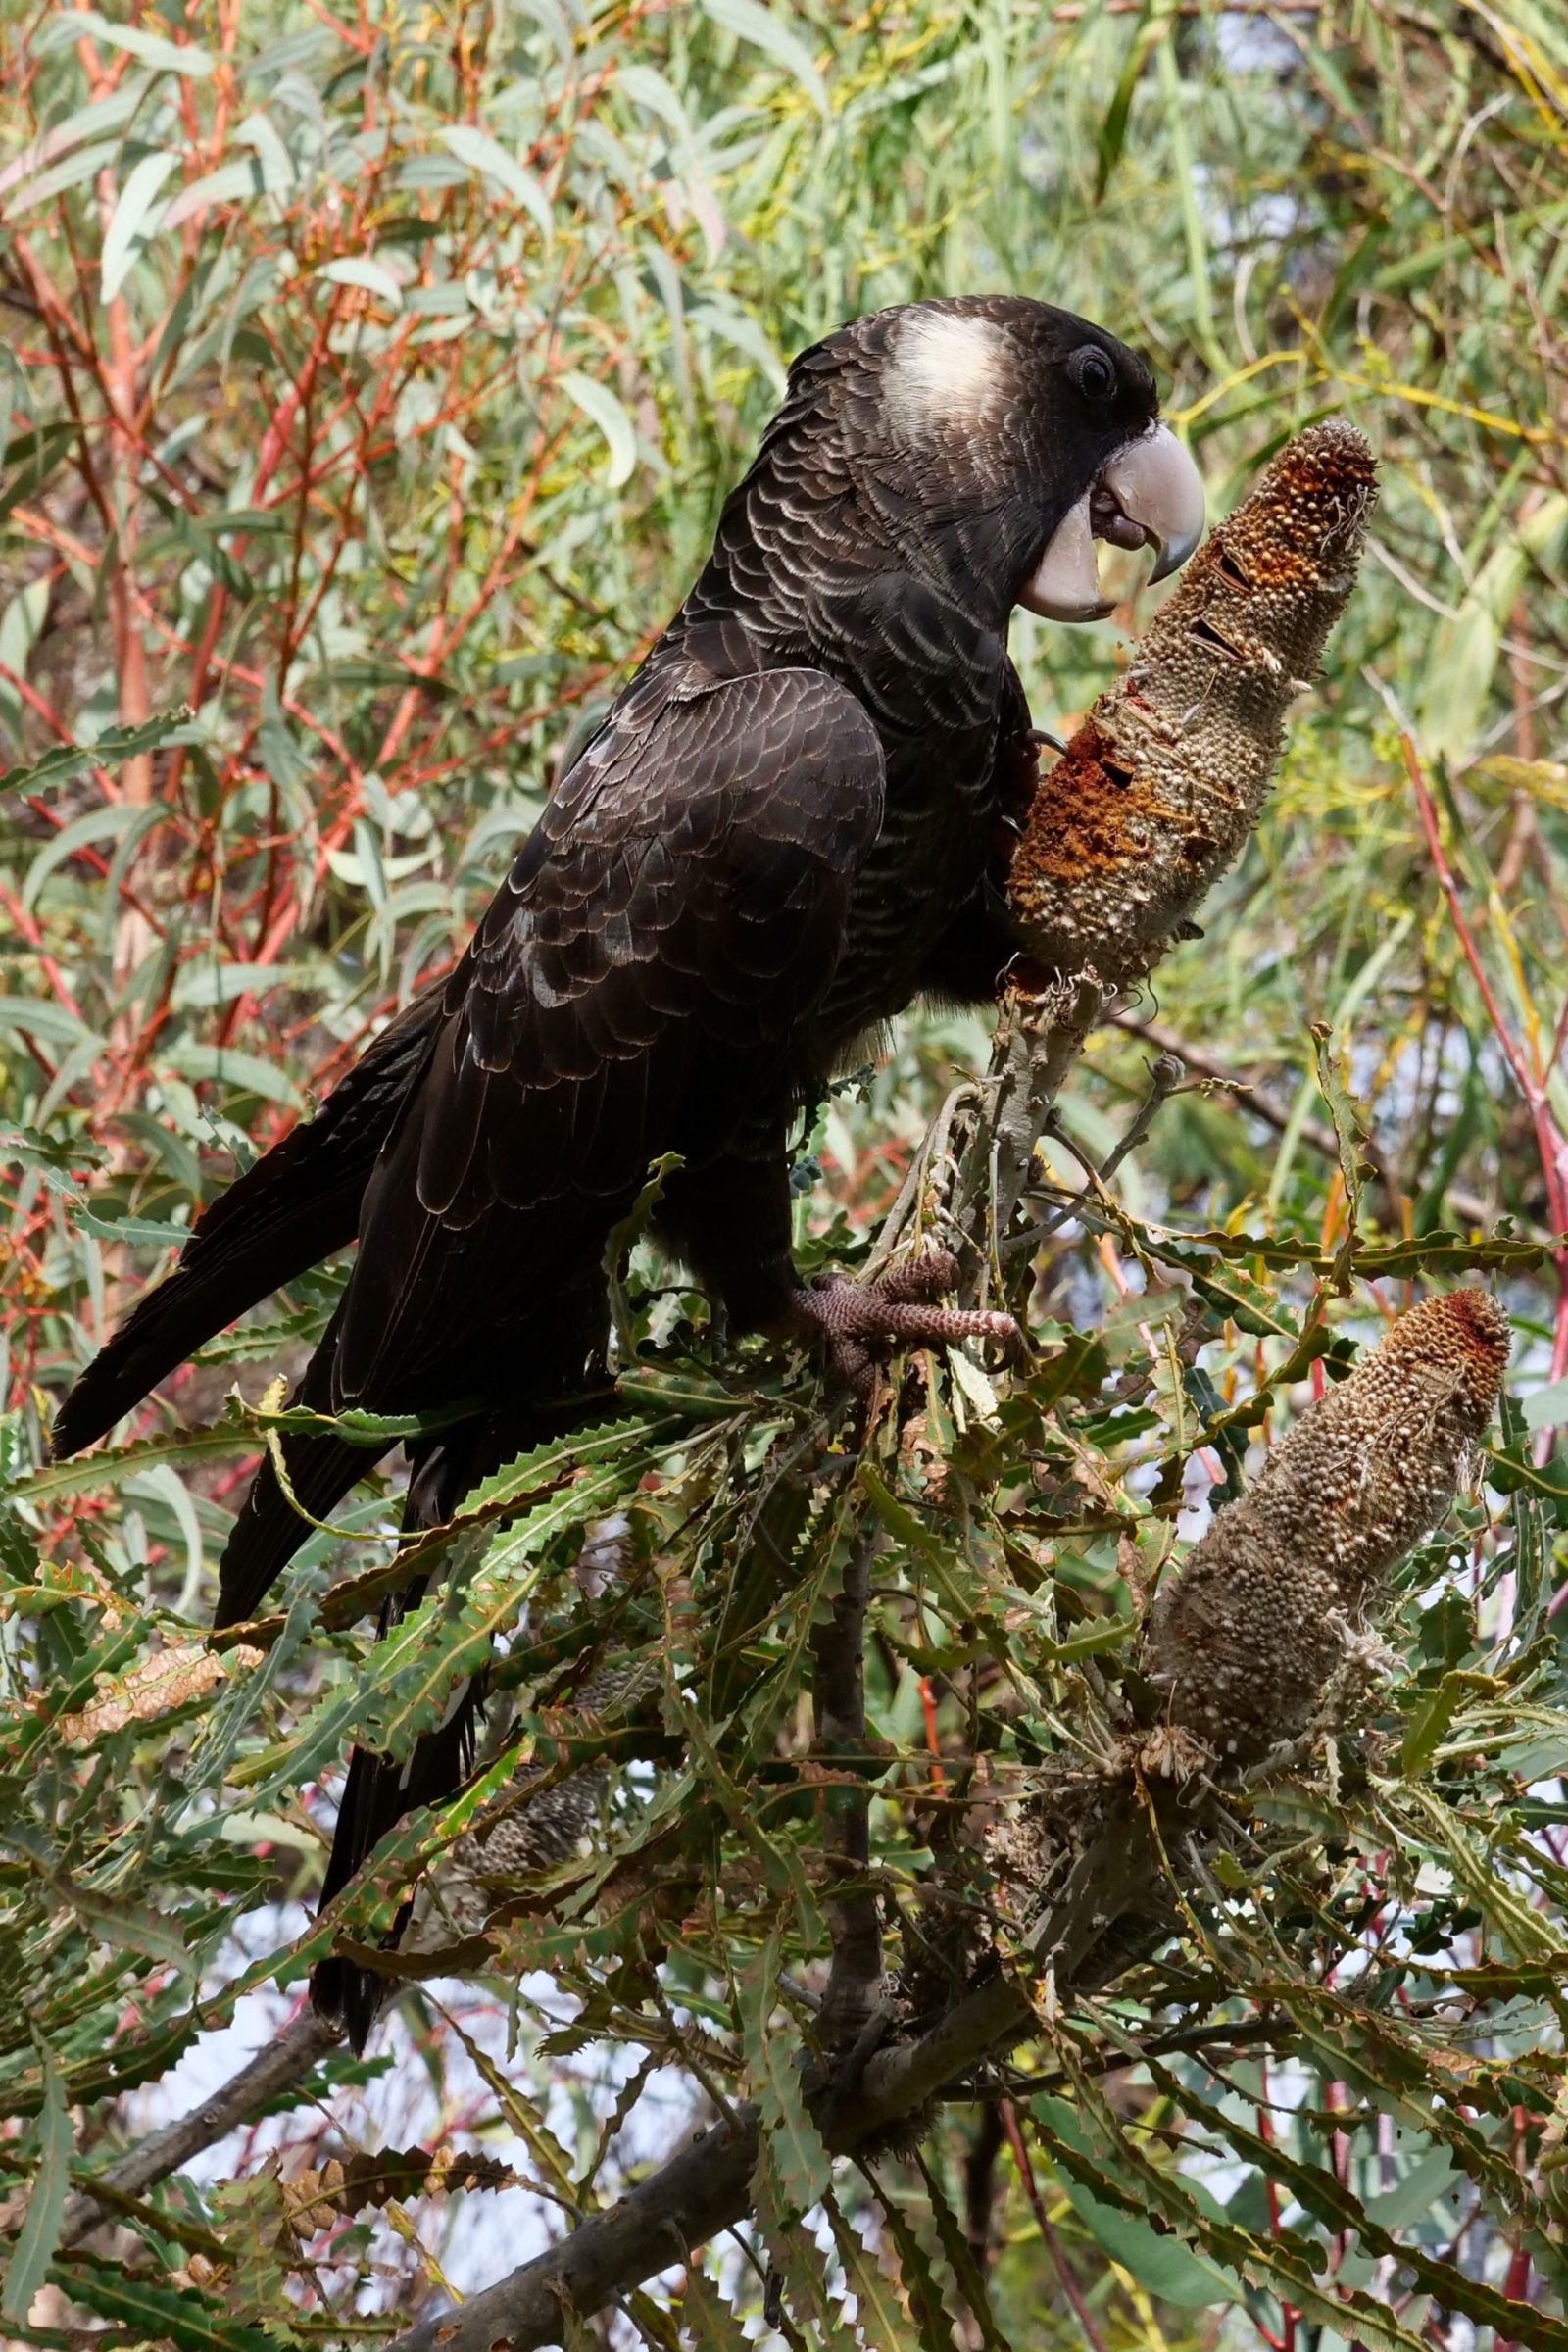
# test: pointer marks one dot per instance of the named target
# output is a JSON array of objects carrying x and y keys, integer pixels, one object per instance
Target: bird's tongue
[{"x": 1150, "y": 494}]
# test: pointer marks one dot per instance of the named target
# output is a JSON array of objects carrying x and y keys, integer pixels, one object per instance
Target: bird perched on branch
[{"x": 785, "y": 830}]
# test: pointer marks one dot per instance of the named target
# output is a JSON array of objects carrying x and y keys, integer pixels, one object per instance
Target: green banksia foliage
[
  {"x": 1272, "y": 1600},
  {"x": 1160, "y": 786}
]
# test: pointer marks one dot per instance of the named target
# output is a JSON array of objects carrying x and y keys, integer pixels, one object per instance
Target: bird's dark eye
[{"x": 1092, "y": 372}]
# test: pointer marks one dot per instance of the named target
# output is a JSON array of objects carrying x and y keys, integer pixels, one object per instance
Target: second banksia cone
[
  {"x": 1244, "y": 1638},
  {"x": 1244, "y": 1643},
  {"x": 1158, "y": 791}
]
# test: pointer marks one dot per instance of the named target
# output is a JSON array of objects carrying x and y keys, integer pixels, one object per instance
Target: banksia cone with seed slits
[
  {"x": 1157, "y": 792},
  {"x": 1273, "y": 1599}
]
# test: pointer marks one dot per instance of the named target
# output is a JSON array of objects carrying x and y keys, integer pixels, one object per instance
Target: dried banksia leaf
[
  {"x": 1274, "y": 1599},
  {"x": 1156, "y": 794}
]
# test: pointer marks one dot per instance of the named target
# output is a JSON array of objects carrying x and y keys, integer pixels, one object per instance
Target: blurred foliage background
[{"x": 368, "y": 384}]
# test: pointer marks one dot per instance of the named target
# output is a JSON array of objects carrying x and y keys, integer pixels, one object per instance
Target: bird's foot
[{"x": 857, "y": 1321}]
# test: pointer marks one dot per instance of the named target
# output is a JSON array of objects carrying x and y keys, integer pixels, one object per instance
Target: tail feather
[
  {"x": 297, "y": 1206},
  {"x": 378, "y": 1792},
  {"x": 380, "y": 1789}
]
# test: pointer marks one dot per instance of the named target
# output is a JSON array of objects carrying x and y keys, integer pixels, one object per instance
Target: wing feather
[{"x": 643, "y": 977}]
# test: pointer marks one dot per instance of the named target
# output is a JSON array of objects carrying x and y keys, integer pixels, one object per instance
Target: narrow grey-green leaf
[
  {"x": 135, "y": 217},
  {"x": 39, "y": 2235},
  {"x": 767, "y": 29}
]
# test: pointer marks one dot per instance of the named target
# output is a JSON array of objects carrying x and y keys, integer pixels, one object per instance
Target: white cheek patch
[{"x": 945, "y": 373}]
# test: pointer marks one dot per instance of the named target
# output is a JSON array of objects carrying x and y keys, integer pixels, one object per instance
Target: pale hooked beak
[{"x": 1150, "y": 494}]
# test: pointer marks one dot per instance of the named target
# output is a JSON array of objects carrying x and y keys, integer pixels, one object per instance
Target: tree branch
[
  {"x": 854, "y": 1979},
  {"x": 707, "y": 2186},
  {"x": 279, "y": 2066}
]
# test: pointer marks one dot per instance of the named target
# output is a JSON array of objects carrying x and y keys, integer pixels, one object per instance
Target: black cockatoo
[{"x": 785, "y": 830}]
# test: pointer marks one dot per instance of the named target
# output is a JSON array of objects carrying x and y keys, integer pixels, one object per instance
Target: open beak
[{"x": 1150, "y": 494}]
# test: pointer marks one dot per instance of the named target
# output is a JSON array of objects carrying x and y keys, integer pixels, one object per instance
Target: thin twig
[
  {"x": 1165, "y": 1075},
  {"x": 1467, "y": 1206},
  {"x": 280, "y": 2065},
  {"x": 1054, "y": 2245}
]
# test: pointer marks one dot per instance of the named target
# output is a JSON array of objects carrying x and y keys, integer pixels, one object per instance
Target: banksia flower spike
[
  {"x": 1276, "y": 1595},
  {"x": 1157, "y": 792}
]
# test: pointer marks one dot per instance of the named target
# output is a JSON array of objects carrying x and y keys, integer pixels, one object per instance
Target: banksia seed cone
[
  {"x": 517, "y": 1835},
  {"x": 1271, "y": 1600},
  {"x": 1160, "y": 786}
]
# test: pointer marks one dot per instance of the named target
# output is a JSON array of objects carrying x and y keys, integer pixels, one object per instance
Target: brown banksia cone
[
  {"x": 1158, "y": 791},
  {"x": 1275, "y": 1599}
]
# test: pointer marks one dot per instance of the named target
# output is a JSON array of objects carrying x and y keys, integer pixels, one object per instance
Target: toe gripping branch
[{"x": 858, "y": 1322}]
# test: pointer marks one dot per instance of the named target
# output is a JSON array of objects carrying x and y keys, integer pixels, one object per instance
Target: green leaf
[
  {"x": 767, "y": 29},
  {"x": 1279, "y": 2262},
  {"x": 879, "y": 2315},
  {"x": 1163, "y": 2265},
  {"x": 481, "y": 153},
  {"x": 1322, "y": 2194},
  {"x": 36, "y": 458},
  {"x": 1547, "y": 1407},
  {"x": 792, "y": 2144},
  {"x": 36, "y": 2239},
  {"x": 600, "y": 405},
  {"x": 87, "y": 123},
  {"x": 135, "y": 217},
  {"x": 112, "y": 749},
  {"x": 243, "y": 175},
  {"x": 59, "y": 1165},
  {"x": 686, "y": 1394},
  {"x": 1433, "y": 1717},
  {"x": 158, "y": 2315},
  {"x": 1413, "y": 2198},
  {"x": 706, "y": 2321},
  {"x": 1460, "y": 667},
  {"x": 165, "y": 57},
  {"x": 102, "y": 1473},
  {"x": 358, "y": 270},
  {"x": 120, "y": 1923},
  {"x": 932, "y": 2318},
  {"x": 798, "y": 2267},
  {"x": 1113, "y": 129},
  {"x": 744, "y": 334},
  {"x": 959, "y": 2258}
]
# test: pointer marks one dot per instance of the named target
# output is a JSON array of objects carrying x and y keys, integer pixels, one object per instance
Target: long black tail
[
  {"x": 380, "y": 1789},
  {"x": 295, "y": 1206}
]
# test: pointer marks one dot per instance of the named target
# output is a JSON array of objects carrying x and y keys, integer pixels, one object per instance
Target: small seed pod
[
  {"x": 1157, "y": 792},
  {"x": 1274, "y": 1599}
]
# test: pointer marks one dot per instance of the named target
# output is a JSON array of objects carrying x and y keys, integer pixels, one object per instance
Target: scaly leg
[{"x": 857, "y": 1321}]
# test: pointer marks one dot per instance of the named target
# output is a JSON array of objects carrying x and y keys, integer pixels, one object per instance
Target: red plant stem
[
  {"x": 1053, "y": 2243},
  {"x": 59, "y": 986},
  {"x": 1550, "y": 1144},
  {"x": 1288, "y": 2314},
  {"x": 928, "y": 1709}
]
